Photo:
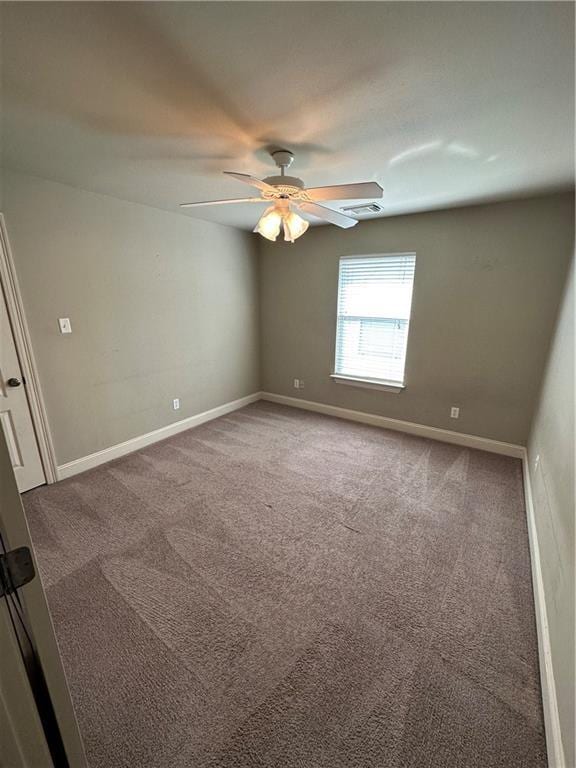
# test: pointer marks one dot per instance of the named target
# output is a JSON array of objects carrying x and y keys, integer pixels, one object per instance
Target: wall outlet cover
[
  {"x": 454, "y": 412},
  {"x": 176, "y": 403},
  {"x": 65, "y": 325}
]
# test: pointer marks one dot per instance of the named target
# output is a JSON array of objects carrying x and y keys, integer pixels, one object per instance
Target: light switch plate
[{"x": 65, "y": 325}]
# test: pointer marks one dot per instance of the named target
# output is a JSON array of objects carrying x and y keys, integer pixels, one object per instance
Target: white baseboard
[
  {"x": 422, "y": 430},
  {"x": 136, "y": 443},
  {"x": 556, "y": 758}
]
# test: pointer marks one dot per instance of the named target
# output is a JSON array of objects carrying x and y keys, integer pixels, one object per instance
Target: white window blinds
[{"x": 374, "y": 298}]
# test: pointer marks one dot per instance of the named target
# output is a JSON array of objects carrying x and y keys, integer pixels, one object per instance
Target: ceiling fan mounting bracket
[{"x": 283, "y": 159}]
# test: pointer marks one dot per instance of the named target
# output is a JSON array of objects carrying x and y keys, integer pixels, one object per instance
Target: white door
[
  {"x": 17, "y": 709},
  {"x": 15, "y": 412},
  {"x": 22, "y": 739}
]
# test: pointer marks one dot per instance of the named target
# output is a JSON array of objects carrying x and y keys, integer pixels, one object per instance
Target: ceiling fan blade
[
  {"x": 224, "y": 202},
  {"x": 254, "y": 182},
  {"x": 358, "y": 191},
  {"x": 321, "y": 212}
]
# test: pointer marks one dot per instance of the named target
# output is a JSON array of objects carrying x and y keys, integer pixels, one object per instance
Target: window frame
[{"x": 366, "y": 381}]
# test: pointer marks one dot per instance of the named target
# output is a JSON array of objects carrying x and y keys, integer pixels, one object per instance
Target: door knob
[{"x": 13, "y": 382}]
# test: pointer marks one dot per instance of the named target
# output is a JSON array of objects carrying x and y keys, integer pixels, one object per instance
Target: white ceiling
[{"x": 442, "y": 103}]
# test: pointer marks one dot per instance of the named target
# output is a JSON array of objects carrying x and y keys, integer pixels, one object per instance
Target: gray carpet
[{"x": 281, "y": 589}]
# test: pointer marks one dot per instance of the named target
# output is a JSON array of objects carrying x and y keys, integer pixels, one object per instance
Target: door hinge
[{"x": 16, "y": 569}]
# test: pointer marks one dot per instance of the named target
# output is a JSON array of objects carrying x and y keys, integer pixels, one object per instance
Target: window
[{"x": 374, "y": 299}]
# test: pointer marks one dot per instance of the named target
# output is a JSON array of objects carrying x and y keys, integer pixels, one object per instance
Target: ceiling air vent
[{"x": 363, "y": 209}]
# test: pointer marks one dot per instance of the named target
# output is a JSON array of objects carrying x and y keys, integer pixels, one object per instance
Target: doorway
[
  {"x": 15, "y": 415},
  {"x": 22, "y": 413}
]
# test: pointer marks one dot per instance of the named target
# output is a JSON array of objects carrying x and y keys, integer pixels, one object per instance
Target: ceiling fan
[{"x": 288, "y": 196}]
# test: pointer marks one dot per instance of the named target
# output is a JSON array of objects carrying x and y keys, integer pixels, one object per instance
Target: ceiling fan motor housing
[
  {"x": 284, "y": 181},
  {"x": 284, "y": 187}
]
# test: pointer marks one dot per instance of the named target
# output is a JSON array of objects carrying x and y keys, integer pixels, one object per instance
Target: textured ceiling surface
[{"x": 442, "y": 103}]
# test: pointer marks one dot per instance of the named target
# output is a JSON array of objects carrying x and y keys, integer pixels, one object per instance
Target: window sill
[{"x": 387, "y": 386}]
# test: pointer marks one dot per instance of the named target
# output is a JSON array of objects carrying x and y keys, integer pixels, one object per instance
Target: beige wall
[
  {"x": 161, "y": 305},
  {"x": 487, "y": 286},
  {"x": 551, "y": 462}
]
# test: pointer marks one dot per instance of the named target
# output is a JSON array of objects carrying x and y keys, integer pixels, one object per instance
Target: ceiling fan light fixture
[
  {"x": 269, "y": 224},
  {"x": 294, "y": 226}
]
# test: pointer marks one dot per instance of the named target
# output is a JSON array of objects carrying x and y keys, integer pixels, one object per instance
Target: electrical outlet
[
  {"x": 65, "y": 325},
  {"x": 296, "y": 383},
  {"x": 176, "y": 403},
  {"x": 454, "y": 412}
]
